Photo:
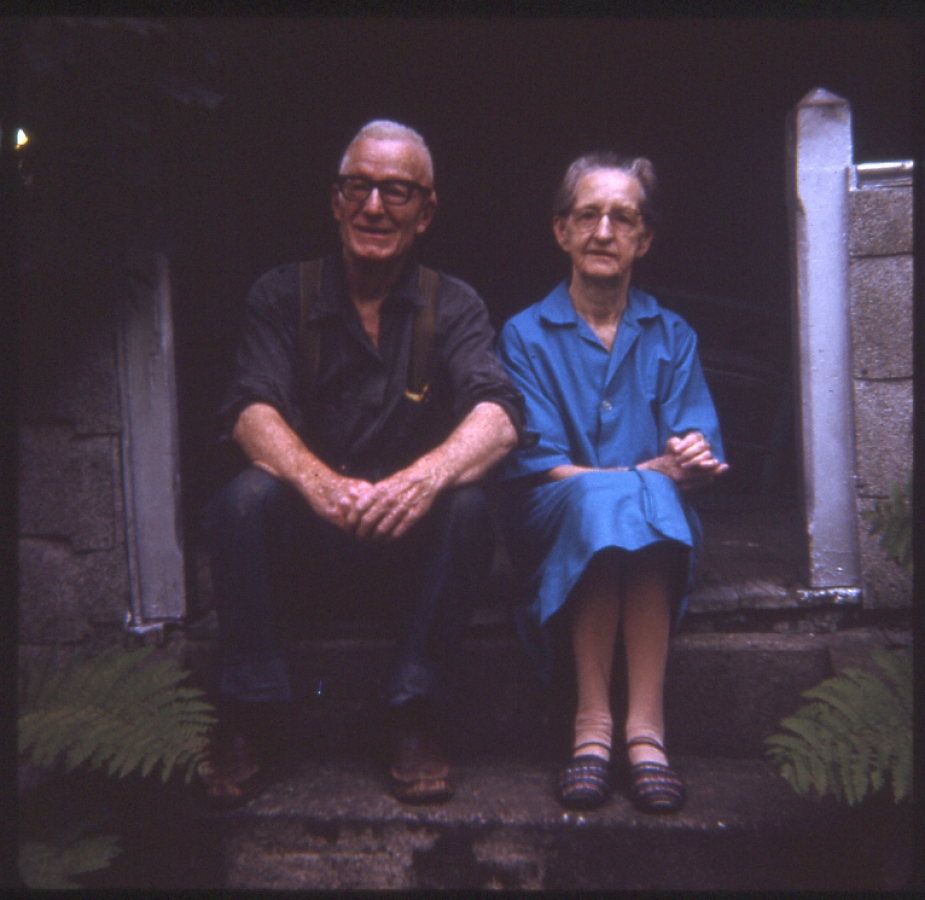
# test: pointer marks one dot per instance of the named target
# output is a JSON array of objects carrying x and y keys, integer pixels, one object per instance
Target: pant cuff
[
  {"x": 255, "y": 681},
  {"x": 409, "y": 681}
]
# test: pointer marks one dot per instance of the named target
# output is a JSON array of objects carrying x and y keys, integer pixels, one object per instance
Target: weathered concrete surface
[
  {"x": 819, "y": 160},
  {"x": 150, "y": 442},
  {"x": 743, "y": 828},
  {"x": 881, "y": 316},
  {"x": 751, "y": 560},
  {"x": 853, "y": 648},
  {"x": 62, "y": 594},
  {"x": 725, "y": 693},
  {"x": 885, "y": 584},
  {"x": 880, "y": 243},
  {"x": 69, "y": 371},
  {"x": 881, "y": 221},
  {"x": 69, "y": 486},
  {"x": 883, "y": 423}
]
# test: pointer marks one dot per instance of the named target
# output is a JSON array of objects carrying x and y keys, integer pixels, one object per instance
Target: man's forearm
[
  {"x": 272, "y": 445},
  {"x": 397, "y": 502},
  {"x": 269, "y": 443},
  {"x": 482, "y": 439}
]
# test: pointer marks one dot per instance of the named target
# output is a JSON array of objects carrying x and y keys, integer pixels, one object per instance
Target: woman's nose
[{"x": 603, "y": 231}]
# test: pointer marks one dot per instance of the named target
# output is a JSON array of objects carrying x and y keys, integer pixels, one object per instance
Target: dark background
[{"x": 219, "y": 137}]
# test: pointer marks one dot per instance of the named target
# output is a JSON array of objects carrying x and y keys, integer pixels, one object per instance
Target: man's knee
[
  {"x": 251, "y": 493},
  {"x": 468, "y": 518},
  {"x": 468, "y": 506}
]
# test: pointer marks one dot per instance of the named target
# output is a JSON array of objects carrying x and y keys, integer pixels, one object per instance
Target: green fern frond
[
  {"x": 839, "y": 695},
  {"x": 856, "y": 731},
  {"x": 117, "y": 710},
  {"x": 898, "y": 669},
  {"x": 902, "y": 774},
  {"x": 50, "y": 867},
  {"x": 892, "y": 520}
]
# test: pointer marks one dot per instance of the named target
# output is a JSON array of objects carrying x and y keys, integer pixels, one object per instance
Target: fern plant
[
  {"x": 117, "y": 710},
  {"x": 44, "y": 866},
  {"x": 855, "y": 733},
  {"x": 892, "y": 520}
]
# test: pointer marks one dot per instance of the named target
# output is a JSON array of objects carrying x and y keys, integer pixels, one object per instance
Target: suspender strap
[
  {"x": 422, "y": 343},
  {"x": 422, "y": 340}
]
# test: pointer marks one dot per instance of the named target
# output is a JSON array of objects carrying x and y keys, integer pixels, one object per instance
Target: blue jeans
[{"x": 438, "y": 569}]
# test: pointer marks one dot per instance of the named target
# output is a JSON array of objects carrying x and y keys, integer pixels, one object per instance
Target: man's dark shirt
[{"x": 358, "y": 419}]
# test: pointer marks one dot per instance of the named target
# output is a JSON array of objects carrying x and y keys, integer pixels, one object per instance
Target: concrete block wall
[
  {"x": 880, "y": 278},
  {"x": 73, "y": 568}
]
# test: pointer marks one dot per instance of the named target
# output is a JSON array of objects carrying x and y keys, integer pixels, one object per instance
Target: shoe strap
[
  {"x": 575, "y": 750},
  {"x": 648, "y": 741}
]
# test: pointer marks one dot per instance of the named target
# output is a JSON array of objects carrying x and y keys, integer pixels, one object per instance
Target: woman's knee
[
  {"x": 591, "y": 489},
  {"x": 659, "y": 564}
]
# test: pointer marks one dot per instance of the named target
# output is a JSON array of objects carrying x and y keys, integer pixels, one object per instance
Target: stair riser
[
  {"x": 722, "y": 696},
  {"x": 383, "y": 856}
]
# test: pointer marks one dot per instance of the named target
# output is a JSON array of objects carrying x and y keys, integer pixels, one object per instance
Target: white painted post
[
  {"x": 819, "y": 169},
  {"x": 150, "y": 448}
]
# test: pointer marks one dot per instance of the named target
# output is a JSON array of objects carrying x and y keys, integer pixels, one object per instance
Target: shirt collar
[
  {"x": 333, "y": 294},
  {"x": 557, "y": 308}
]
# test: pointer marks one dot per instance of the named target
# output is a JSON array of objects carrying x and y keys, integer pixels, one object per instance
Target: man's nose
[{"x": 373, "y": 203}]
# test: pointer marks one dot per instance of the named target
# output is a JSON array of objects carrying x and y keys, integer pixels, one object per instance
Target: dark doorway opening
[
  {"x": 505, "y": 105},
  {"x": 243, "y": 170}
]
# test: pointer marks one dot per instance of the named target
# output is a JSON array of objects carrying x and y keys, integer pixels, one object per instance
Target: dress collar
[{"x": 557, "y": 308}]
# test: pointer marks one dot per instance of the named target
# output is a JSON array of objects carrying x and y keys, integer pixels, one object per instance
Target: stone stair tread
[
  {"x": 335, "y": 826},
  {"x": 722, "y": 794}
]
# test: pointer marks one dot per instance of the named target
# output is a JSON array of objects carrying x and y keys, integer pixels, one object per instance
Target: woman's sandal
[
  {"x": 654, "y": 787},
  {"x": 585, "y": 782}
]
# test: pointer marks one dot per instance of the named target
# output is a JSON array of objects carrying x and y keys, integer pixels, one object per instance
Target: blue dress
[{"x": 599, "y": 409}]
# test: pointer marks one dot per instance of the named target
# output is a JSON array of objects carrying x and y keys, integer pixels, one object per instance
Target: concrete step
[
  {"x": 335, "y": 826},
  {"x": 724, "y": 692},
  {"x": 754, "y": 641}
]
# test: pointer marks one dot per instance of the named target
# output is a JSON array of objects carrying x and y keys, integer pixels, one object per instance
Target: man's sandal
[
  {"x": 419, "y": 771},
  {"x": 654, "y": 787},
  {"x": 585, "y": 782},
  {"x": 232, "y": 776}
]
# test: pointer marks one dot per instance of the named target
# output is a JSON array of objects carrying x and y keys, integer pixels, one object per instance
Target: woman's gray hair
[
  {"x": 386, "y": 130},
  {"x": 637, "y": 166}
]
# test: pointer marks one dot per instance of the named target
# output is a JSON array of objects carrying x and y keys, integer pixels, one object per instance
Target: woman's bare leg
[
  {"x": 594, "y": 631},
  {"x": 646, "y": 629}
]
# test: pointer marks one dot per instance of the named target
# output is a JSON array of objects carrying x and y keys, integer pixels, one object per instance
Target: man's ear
[
  {"x": 335, "y": 201},
  {"x": 645, "y": 242},
  {"x": 426, "y": 214}
]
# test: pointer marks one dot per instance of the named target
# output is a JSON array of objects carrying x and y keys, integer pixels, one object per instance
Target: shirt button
[{"x": 606, "y": 405}]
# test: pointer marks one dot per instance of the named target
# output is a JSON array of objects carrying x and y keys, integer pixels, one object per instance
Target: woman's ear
[
  {"x": 645, "y": 242},
  {"x": 560, "y": 230}
]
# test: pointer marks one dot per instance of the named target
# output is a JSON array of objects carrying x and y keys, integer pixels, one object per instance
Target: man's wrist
[{"x": 435, "y": 470}]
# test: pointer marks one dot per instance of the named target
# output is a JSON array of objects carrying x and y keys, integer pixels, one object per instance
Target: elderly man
[{"x": 369, "y": 402}]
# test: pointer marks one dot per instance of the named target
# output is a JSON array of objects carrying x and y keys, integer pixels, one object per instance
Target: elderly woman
[{"x": 596, "y": 512}]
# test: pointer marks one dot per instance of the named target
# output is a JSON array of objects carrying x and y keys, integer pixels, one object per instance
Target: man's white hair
[{"x": 386, "y": 130}]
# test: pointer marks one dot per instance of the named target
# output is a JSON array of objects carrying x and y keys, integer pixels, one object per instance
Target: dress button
[{"x": 605, "y": 405}]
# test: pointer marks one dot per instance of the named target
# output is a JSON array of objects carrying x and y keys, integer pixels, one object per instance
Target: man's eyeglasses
[
  {"x": 622, "y": 218},
  {"x": 393, "y": 191}
]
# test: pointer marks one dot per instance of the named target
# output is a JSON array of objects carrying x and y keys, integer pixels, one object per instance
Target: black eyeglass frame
[{"x": 366, "y": 186}]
